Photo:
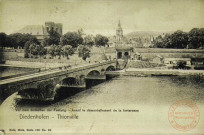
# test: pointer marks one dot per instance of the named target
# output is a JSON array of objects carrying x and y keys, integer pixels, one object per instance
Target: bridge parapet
[
  {"x": 52, "y": 73},
  {"x": 9, "y": 86}
]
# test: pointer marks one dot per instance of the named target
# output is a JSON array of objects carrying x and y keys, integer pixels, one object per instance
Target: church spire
[
  {"x": 119, "y": 33},
  {"x": 119, "y": 26}
]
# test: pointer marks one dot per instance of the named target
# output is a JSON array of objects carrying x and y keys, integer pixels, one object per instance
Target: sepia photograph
[{"x": 101, "y": 67}]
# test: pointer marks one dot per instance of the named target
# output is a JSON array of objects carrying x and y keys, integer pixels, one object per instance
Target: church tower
[{"x": 119, "y": 34}]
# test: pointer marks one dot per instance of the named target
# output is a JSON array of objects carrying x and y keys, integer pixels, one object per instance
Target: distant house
[
  {"x": 158, "y": 59},
  {"x": 123, "y": 52},
  {"x": 137, "y": 56},
  {"x": 41, "y": 31},
  {"x": 136, "y": 44},
  {"x": 173, "y": 61},
  {"x": 110, "y": 44},
  {"x": 197, "y": 61}
]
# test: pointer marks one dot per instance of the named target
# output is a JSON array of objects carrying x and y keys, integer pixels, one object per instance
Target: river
[{"x": 151, "y": 97}]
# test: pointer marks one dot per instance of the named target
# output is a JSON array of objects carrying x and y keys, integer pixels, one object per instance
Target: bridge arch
[
  {"x": 93, "y": 73},
  {"x": 69, "y": 81},
  {"x": 33, "y": 81},
  {"x": 41, "y": 92},
  {"x": 29, "y": 93},
  {"x": 110, "y": 68}
]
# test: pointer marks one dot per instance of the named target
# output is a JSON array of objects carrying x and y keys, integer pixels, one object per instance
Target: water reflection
[
  {"x": 152, "y": 96},
  {"x": 124, "y": 90},
  {"x": 190, "y": 87},
  {"x": 63, "y": 93}
]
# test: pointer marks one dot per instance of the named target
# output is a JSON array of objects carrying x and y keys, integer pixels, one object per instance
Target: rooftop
[
  {"x": 32, "y": 29},
  {"x": 125, "y": 48}
]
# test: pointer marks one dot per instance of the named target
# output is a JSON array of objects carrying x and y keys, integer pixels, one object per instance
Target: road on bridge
[{"x": 44, "y": 73}]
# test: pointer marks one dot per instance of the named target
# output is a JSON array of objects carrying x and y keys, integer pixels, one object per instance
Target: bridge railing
[
  {"x": 81, "y": 67},
  {"x": 74, "y": 66},
  {"x": 46, "y": 74},
  {"x": 63, "y": 70}
]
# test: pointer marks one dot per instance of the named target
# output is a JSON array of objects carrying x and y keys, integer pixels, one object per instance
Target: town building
[
  {"x": 158, "y": 59},
  {"x": 173, "y": 61},
  {"x": 197, "y": 61},
  {"x": 41, "y": 31},
  {"x": 124, "y": 51}
]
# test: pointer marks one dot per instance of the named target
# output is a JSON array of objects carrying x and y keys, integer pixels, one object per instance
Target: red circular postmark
[{"x": 183, "y": 115}]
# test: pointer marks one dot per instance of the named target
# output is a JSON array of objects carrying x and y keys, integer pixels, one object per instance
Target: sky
[{"x": 102, "y": 16}]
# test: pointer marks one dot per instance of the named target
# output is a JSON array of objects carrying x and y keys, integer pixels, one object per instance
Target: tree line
[
  {"x": 18, "y": 40},
  {"x": 193, "y": 39},
  {"x": 54, "y": 44},
  {"x": 74, "y": 39}
]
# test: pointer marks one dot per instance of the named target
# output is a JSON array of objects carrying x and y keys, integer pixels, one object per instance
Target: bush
[
  {"x": 83, "y": 51},
  {"x": 181, "y": 64}
]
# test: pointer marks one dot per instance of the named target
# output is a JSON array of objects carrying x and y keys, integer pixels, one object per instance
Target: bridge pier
[
  {"x": 3, "y": 95},
  {"x": 44, "y": 84},
  {"x": 94, "y": 80},
  {"x": 71, "y": 82},
  {"x": 65, "y": 92},
  {"x": 74, "y": 86}
]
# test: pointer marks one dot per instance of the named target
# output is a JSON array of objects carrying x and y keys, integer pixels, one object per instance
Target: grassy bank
[
  {"x": 147, "y": 54},
  {"x": 159, "y": 50},
  {"x": 143, "y": 64}
]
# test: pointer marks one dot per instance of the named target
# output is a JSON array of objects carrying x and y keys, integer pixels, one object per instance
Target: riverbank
[
  {"x": 96, "y": 52},
  {"x": 9, "y": 71},
  {"x": 156, "y": 72}
]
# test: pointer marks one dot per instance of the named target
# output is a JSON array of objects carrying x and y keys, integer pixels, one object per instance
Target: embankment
[
  {"x": 143, "y": 64},
  {"x": 157, "y": 72}
]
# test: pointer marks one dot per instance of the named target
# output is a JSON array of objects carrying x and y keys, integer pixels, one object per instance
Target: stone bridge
[{"x": 45, "y": 84}]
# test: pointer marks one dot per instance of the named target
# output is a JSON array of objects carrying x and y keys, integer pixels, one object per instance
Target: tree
[
  {"x": 12, "y": 41},
  {"x": 46, "y": 41},
  {"x": 58, "y": 51},
  {"x": 33, "y": 49},
  {"x": 18, "y": 40},
  {"x": 178, "y": 39},
  {"x": 101, "y": 40},
  {"x": 32, "y": 46},
  {"x": 26, "y": 50},
  {"x": 88, "y": 40},
  {"x": 37, "y": 50},
  {"x": 81, "y": 32},
  {"x": 158, "y": 42},
  {"x": 32, "y": 41},
  {"x": 166, "y": 41},
  {"x": 42, "y": 51},
  {"x": 83, "y": 51},
  {"x": 51, "y": 50},
  {"x": 196, "y": 38},
  {"x": 3, "y": 38},
  {"x": 181, "y": 64},
  {"x": 54, "y": 38},
  {"x": 67, "y": 51},
  {"x": 71, "y": 38}
]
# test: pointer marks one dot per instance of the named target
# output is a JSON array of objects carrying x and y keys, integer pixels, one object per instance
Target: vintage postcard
[{"x": 101, "y": 67}]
